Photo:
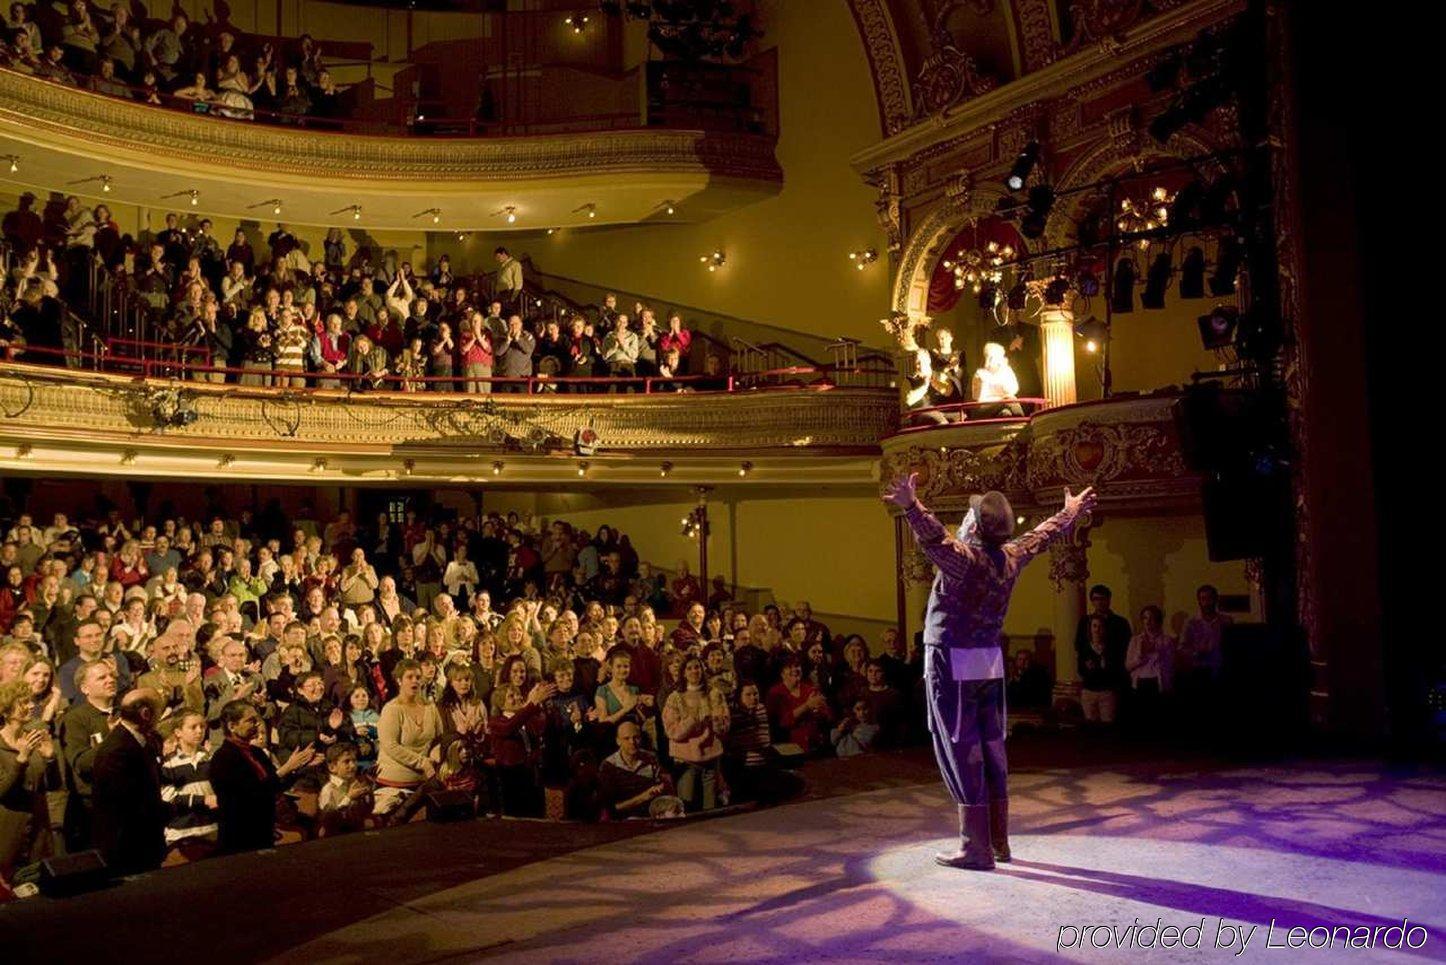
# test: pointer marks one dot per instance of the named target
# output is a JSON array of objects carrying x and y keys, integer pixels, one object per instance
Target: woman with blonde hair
[{"x": 513, "y": 640}]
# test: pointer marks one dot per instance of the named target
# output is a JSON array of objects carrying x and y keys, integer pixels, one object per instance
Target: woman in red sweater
[{"x": 798, "y": 710}]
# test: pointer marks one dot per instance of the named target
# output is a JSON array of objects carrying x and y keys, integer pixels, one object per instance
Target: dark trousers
[{"x": 966, "y": 723}]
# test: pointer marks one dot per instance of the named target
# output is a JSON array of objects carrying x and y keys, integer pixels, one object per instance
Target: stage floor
[{"x": 843, "y": 874}]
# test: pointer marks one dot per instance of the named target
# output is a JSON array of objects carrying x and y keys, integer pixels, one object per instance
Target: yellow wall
[{"x": 788, "y": 255}]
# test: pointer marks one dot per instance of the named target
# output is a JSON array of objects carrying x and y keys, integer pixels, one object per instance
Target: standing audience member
[
  {"x": 130, "y": 816},
  {"x": 246, "y": 782}
]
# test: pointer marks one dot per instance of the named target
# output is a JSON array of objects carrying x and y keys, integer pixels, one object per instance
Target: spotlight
[
  {"x": 745, "y": 469},
  {"x": 1123, "y": 291},
  {"x": 497, "y": 468},
  {"x": 664, "y": 469},
  {"x": 1227, "y": 266},
  {"x": 1041, "y": 202},
  {"x": 1192, "y": 273},
  {"x": 1093, "y": 331},
  {"x": 1217, "y": 329},
  {"x": 1088, "y": 284},
  {"x": 1185, "y": 209},
  {"x": 1018, "y": 296},
  {"x": 1056, "y": 290},
  {"x": 1156, "y": 281},
  {"x": 1023, "y": 165}
]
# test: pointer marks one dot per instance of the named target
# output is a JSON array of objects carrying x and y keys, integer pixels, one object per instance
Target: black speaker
[
  {"x": 1218, "y": 429},
  {"x": 73, "y": 874},
  {"x": 450, "y": 806},
  {"x": 1242, "y": 514}
]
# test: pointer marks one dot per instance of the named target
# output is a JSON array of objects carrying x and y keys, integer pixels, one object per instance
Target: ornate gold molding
[
  {"x": 47, "y": 403},
  {"x": 881, "y": 45},
  {"x": 37, "y": 110}
]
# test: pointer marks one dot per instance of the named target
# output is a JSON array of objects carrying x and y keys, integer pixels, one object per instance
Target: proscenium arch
[{"x": 922, "y": 251}]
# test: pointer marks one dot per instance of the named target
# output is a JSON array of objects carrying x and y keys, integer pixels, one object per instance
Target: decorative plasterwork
[
  {"x": 948, "y": 76},
  {"x": 1036, "y": 33},
  {"x": 921, "y": 251},
  {"x": 1069, "y": 562},
  {"x": 886, "y": 60},
  {"x": 36, "y": 109},
  {"x": 1074, "y": 73},
  {"x": 1127, "y": 447},
  {"x": 42, "y": 404}
]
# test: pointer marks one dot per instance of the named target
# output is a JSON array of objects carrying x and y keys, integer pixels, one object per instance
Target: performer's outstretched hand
[
  {"x": 1083, "y": 503},
  {"x": 900, "y": 492}
]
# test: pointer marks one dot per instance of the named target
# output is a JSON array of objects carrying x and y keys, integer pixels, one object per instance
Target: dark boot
[
  {"x": 974, "y": 851},
  {"x": 999, "y": 828}
]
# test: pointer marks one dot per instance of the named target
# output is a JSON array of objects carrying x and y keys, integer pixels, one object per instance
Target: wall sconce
[
  {"x": 578, "y": 22},
  {"x": 664, "y": 469},
  {"x": 104, "y": 180},
  {"x": 128, "y": 458},
  {"x": 745, "y": 469},
  {"x": 862, "y": 258},
  {"x": 497, "y": 468},
  {"x": 510, "y": 211},
  {"x": 436, "y": 214},
  {"x": 318, "y": 465},
  {"x": 582, "y": 469},
  {"x": 589, "y": 209},
  {"x": 14, "y": 160},
  {"x": 275, "y": 204},
  {"x": 355, "y": 210},
  {"x": 714, "y": 261}
]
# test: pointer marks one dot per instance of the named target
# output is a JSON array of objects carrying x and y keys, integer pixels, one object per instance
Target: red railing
[{"x": 797, "y": 378}]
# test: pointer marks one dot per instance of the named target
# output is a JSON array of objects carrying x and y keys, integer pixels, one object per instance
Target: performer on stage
[{"x": 963, "y": 662}]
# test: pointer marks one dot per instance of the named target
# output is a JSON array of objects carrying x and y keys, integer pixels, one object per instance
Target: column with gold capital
[{"x": 1056, "y": 342}]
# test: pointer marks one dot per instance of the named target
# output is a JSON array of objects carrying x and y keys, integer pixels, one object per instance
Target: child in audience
[
  {"x": 364, "y": 722},
  {"x": 345, "y": 802}
]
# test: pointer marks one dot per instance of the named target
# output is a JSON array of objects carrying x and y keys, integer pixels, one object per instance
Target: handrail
[{"x": 1028, "y": 407}]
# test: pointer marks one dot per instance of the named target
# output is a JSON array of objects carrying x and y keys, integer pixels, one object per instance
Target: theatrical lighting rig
[
  {"x": 862, "y": 259},
  {"x": 1157, "y": 280},
  {"x": 1192, "y": 273},
  {"x": 1023, "y": 165},
  {"x": 1217, "y": 329},
  {"x": 1122, "y": 295},
  {"x": 1093, "y": 332}
]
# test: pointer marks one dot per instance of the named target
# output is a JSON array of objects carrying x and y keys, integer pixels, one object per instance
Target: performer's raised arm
[
  {"x": 952, "y": 557},
  {"x": 1038, "y": 539}
]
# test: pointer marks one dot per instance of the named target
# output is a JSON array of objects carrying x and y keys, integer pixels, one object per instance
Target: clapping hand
[{"x": 901, "y": 492}]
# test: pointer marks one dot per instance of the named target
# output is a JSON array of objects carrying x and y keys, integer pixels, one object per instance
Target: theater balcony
[
  {"x": 601, "y": 168},
  {"x": 1126, "y": 446},
  {"x": 82, "y": 422}
]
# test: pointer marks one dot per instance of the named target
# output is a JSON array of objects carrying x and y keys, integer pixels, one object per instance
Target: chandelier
[
  {"x": 977, "y": 267},
  {"x": 1146, "y": 214}
]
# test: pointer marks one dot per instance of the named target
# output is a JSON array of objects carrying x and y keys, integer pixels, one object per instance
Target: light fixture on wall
[
  {"x": 354, "y": 209},
  {"x": 408, "y": 466},
  {"x": 589, "y": 209},
  {"x": 273, "y": 203},
  {"x": 104, "y": 180},
  {"x": 462, "y": 236},
  {"x": 128, "y": 458},
  {"x": 714, "y": 261},
  {"x": 864, "y": 258},
  {"x": 226, "y": 461},
  {"x": 664, "y": 469},
  {"x": 1093, "y": 331},
  {"x": 510, "y": 211},
  {"x": 14, "y": 160},
  {"x": 436, "y": 214},
  {"x": 745, "y": 469},
  {"x": 582, "y": 469},
  {"x": 497, "y": 468},
  {"x": 577, "y": 21},
  {"x": 318, "y": 464},
  {"x": 668, "y": 206},
  {"x": 551, "y": 231},
  {"x": 979, "y": 268}
]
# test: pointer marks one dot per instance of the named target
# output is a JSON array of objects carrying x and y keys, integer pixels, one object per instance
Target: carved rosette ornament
[
  {"x": 1069, "y": 557},
  {"x": 1093, "y": 452},
  {"x": 948, "y": 76}
]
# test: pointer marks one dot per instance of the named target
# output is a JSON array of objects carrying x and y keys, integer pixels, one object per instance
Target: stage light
[
  {"x": 1093, "y": 332},
  {"x": 1056, "y": 291},
  {"x": 1023, "y": 165},
  {"x": 1217, "y": 329},
  {"x": 1018, "y": 296},
  {"x": 1157, "y": 280},
  {"x": 1122, "y": 298},
  {"x": 1041, "y": 202},
  {"x": 868, "y": 256},
  {"x": 497, "y": 468},
  {"x": 1227, "y": 266},
  {"x": 1192, "y": 273},
  {"x": 1088, "y": 284}
]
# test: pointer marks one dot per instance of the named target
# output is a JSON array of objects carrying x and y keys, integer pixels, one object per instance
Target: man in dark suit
[
  {"x": 246, "y": 782},
  {"x": 82, "y": 731},
  {"x": 234, "y": 681},
  {"x": 130, "y": 817},
  {"x": 1117, "y": 628}
]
